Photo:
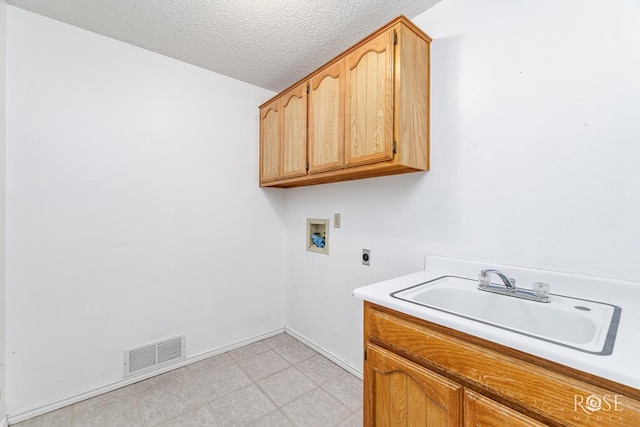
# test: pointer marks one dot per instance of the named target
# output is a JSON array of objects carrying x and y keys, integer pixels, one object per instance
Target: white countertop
[{"x": 622, "y": 366}]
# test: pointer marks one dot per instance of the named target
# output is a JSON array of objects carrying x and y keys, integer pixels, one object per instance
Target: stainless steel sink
[{"x": 584, "y": 325}]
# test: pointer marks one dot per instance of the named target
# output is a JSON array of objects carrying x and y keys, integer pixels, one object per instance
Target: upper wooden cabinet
[{"x": 364, "y": 114}]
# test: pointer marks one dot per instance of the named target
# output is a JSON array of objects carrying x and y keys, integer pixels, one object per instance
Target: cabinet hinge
[
  {"x": 365, "y": 354},
  {"x": 395, "y": 38},
  {"x": 395, "y": 147}
]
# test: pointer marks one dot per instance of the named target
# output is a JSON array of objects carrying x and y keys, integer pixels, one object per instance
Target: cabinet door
[
  {"x": 294, "y": 132},
  {"x": 270, "y": 142},
  {"x": 400, "y": 393},
  {"x": 480, "y": 411},
  {"x": 326, "y": 119},
  {"x": 369, "y": 102}
]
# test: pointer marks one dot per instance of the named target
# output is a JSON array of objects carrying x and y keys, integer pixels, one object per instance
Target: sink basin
[{"x": 584, "y": 325}]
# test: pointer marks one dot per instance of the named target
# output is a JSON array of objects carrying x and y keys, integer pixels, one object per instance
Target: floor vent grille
[{"x": 153, "y": 356}]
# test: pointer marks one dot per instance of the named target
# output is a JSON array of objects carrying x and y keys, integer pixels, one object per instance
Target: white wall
[
  {"x": 3, "y": 146},
  {"x": 535, "y": 145},
  {"x": 133, "y": 210}
]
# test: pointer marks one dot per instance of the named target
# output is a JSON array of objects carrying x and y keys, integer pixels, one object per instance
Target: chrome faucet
[
  {"x": 485, "y": 279},
  {"x": 539, "y": 293}
]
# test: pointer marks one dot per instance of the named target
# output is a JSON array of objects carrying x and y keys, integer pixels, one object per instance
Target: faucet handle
[
  {"x": 484, "y": 279},
  {"x": 541, "y": 289}
]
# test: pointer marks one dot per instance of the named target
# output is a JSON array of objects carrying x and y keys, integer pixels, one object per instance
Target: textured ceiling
[{"x": 269, "y": 43}]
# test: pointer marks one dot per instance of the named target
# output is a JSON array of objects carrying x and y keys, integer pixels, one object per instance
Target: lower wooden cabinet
[
  {"x": 417, "y": 373},
  {"x": 402, "y": 393}
]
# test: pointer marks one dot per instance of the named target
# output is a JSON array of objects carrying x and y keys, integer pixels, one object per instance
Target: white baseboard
[
  {"x": 352, "y": 369},
  {"x": 78, "y": 397}
]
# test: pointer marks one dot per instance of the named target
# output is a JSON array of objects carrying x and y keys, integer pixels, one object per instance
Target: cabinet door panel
[
  {"x": 401, "y": 393},
  {"x": 294, "y": 132},
  {"x": 326, "y": 119},
  {"x": 369, "y": 102},
  {"x": 480, "y": 411},
  {"x": 270, "y": 146}
]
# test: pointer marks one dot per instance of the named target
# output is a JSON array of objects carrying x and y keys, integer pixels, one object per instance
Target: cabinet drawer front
[
  {"x": 403, "y": 393},
  {"x": 528, "y": 387}
]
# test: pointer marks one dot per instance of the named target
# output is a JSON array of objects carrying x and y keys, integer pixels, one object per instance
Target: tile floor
[{"x": 274, "y": 382}]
